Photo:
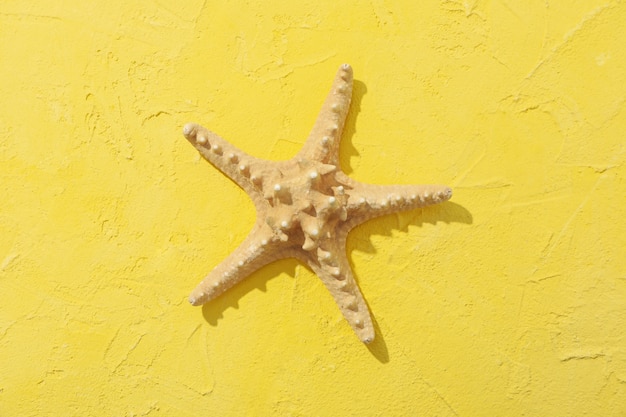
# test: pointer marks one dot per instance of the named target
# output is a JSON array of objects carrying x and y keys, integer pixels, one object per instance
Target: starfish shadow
[
  {"x": 447, "y": 212},
  {"x": 214, "y": 311},
  {"x": 346, "y": 148},
  {"x": 378, "y": 348}
]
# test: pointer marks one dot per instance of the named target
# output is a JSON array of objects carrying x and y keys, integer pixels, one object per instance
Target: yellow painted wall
[{"x": 509, "y": 300}]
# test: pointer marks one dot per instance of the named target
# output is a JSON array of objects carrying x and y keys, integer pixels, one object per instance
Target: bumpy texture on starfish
[{"x": 305, "y": 207}]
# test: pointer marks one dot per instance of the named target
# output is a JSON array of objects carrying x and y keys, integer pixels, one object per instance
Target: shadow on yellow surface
[
  {"x": 447, "y": 212},
  {"x": 346, "y": 148}
]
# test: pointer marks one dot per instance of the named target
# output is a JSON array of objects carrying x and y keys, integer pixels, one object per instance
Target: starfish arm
[
  {"x": 369, "y": 201},
  {"x": 332, "y": 267},
  {"x": 245, "y": 170},
  {"x": 260, "y": 248},
  {"x": 323, "y": 141}
]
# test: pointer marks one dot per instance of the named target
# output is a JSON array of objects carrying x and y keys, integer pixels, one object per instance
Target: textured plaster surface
[{"x": 509, "y": 300}]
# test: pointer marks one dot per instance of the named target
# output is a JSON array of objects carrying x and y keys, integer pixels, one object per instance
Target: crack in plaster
[
  {"x": 384, "y": 15},
  {"x": 21, "y": 16},
  {"x": 551, "y": 247},
  {"x": 110, "y": 345},
  {"x": 6, "y": 329},
  {"x": 274, "y": 70},
  {"x": 193, "y": 332},
  {"x": 130, "y": 350},
  {"x": 181, "y": 17},
  {"x": 582, "y": 356},
  {"x": 8, "y": 260},
  {"x": 592, "y": 15},
  {"x": 428, "y": 384},
  {"x": 439, "y": 395},
  {"x": 463, "y": 6}
]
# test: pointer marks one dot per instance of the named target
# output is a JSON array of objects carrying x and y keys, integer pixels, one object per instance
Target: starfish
[{"x": 305, "y": 207}]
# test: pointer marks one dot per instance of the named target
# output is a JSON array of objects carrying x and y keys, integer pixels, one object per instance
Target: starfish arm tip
[
  {"x": 367, "y": 338},
  {"x": 346, "y": 74},
  {"x": 196, "y": 300},
  {"x": 189, "y": 130}
]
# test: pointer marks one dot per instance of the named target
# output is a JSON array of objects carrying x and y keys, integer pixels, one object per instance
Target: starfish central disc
[{"x": 305, "y": 206}]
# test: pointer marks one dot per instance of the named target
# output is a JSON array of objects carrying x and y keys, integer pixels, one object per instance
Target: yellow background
[{"x": 509, "y": 300}]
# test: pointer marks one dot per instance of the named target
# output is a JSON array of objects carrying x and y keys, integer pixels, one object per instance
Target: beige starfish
[{"x": 305, "y": 207}]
